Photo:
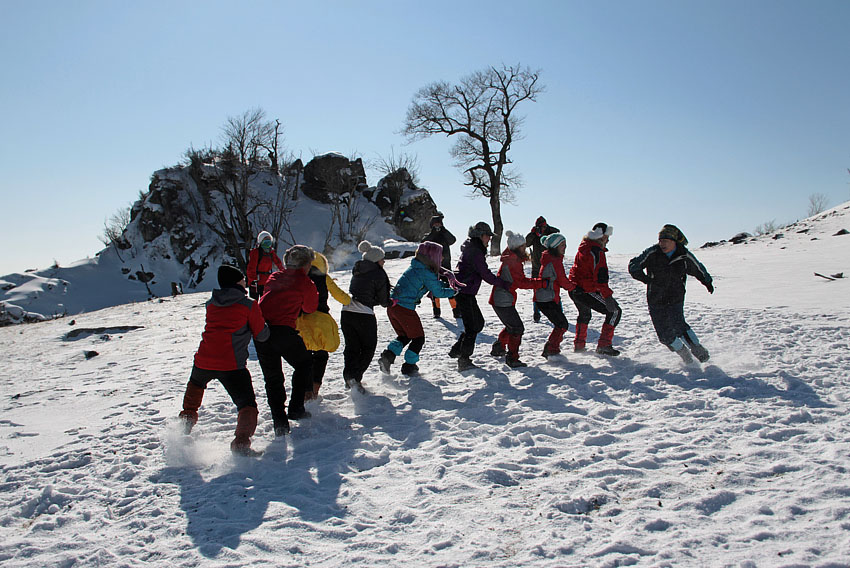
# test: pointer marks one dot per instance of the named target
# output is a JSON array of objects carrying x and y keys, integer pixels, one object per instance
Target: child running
[
  {"x": 548, "y": 298},
  {"x": 504, "y": 301},
  {"x": 232, "y": 318},
  {"x": 420, "y": 278}
]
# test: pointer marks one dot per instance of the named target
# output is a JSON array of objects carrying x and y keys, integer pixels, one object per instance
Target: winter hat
[
  {"x": 673, "y": 233},
  {"x": 371, "y": 252},
  {"x": 229, "y": 276},
  {"x": 263, "y": 236},
  {"x": 600, "y": 230},
  {"x": 479, "y": 230},
  {"x": 298, "y": 256},
  {"x": 320, "y": 263},
  {"x": 430, "y": 253},
  {"x": 435, "y": 219},
  {"x": 540, "y": 221},
  {"x": 553, "y": 241},
  {"x": 514, "y": 240}
]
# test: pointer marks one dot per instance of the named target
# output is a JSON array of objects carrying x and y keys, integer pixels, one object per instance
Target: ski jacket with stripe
[
  {"x": 512, "y": 272},
  {"x": 472, "y": 267},
  {"x": 665, "y": 277},
  {"x": 589, "y": 272},
  {"x": 554, "y": 276},
  {"x": 232, "y": 318},
  {"x": 261, "y": 264},
  {"x": 288, "y": 293},
  {"x": 417, "y": 281}
]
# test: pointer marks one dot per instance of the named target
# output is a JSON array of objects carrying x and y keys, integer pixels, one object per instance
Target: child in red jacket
[
  {"x": 232, "y": 318},
  {"x": 289, "y": 292},
  {"x": 589, "y": 274},
  {"x": 504, "y": 301},
  {"x": 548, "y": 297}
]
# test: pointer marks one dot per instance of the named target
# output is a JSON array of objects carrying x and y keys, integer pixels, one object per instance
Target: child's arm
[{"x": 335, "y": 291}]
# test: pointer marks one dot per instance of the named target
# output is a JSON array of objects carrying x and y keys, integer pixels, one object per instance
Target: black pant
[
  {"x": 473, "y": 323},
  {"x": 320, "y": 363},
  {"x": 669, "y": 321},
  {"x": 510, "y": 318},
  {"x": 586, "y": 304},
  {"x": 237, "y": 384},
  {"x": 554, "y": 313},
  {"x": 285, "y": 342},
  {"x": 361, "y": 342}
]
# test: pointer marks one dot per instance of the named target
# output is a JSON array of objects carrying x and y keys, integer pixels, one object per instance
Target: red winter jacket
[
  {"x": 232, "y": 318},
  {"x": 590, "y": 269},
  {"x": 512, "y": 271},
  {"x": 288, "y": 292},
  {"x": 261, "y": 264},
  {"x": 553, "y": 274}
]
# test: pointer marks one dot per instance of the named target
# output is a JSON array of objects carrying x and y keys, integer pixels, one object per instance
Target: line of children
[{"x": 291, "y": 320}]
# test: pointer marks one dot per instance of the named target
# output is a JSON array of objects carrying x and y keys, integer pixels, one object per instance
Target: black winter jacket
[
  {"x": 665, "y": 277},
  {"x": 443, "y": 237},
  {"x": 369, "y": 284}
]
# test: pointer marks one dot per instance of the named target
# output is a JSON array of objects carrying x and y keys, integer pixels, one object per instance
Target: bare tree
[
  {"x": 389, "y": 165},
  {"x": 113, "y": 230},
  {"x": 480, "y": 111},
  {"x": 766, "y": 228},
  {"x": 246, "y": 137},
  {"x": 817, "y": 203}
]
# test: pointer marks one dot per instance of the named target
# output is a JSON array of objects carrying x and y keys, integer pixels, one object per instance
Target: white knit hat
[
  {"x": 371, "y": 252},
  {"x": 600, "y": 230},
  {"x": 514, "y": 240}
]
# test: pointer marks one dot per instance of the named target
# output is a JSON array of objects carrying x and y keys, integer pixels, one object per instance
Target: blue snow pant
[{"x": 669, "y": 321}]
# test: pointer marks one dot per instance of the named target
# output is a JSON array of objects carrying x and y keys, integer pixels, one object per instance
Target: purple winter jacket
[{"x": 472, "y": 267}]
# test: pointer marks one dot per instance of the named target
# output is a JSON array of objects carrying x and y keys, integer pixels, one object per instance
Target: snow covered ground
[{"x": 585, "y": 461}]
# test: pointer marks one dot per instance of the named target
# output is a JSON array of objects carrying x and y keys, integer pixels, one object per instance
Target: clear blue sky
[{"x": 714, "y": 115}]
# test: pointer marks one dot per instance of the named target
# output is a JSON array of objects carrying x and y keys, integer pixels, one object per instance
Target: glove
[
  {"x": 393, "y": 303},
  {"x": 611, "y": 304},
  {"x": 710, "y": 288}
]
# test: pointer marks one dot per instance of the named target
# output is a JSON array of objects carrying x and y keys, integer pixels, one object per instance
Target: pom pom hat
[
  {"x": 430, "y": 254},
  {"x": 229, "y": 276},
  {"x": 514, "y": 240},
  {"x": 553, "y": 241},
  {"x": 371, "y": 252}
]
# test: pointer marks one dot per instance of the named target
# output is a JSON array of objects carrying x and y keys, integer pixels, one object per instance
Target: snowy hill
[{"x": 585, "y": 461}]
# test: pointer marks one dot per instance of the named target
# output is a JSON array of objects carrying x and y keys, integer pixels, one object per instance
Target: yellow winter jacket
[{"x": 318, "y": 329}]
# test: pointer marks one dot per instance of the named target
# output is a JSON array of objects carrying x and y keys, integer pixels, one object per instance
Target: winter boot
[
  {"x": 581, "y": 338},
  {"x": 386, "y": 361},
  {"x": 498, "y": 349},
  {"x": 298, "y": 413},
  {"x": 409, "y": 368},
  {"x": 678, "y": 346},
  {"x": 454, "y": 352},
  {"x": 246, "y": 425},
  {"x": 553, "y": 344},
  {"x": 436, "y": 313},
  {"x": 464, "y": 363},
  {"x": 191, "y": 403},
  {"x": 281, "y": 429},
  {"x": 513, "y": 361},
  {"x": 605, "y": 339},
  {"x": 700, "y": 352}
]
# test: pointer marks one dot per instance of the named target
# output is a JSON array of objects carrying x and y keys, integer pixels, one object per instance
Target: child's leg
[
  {"x": 554, "y": 314},
  {"x": 269, "y": 357},
  {"x": 241, "y": 390},
  {"x": 194, "y": 395}
]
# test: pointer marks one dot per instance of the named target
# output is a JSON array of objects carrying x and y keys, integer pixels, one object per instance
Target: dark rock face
[
  {"x": 406, "y": 206},
  {"x": 332, "y": 175}
]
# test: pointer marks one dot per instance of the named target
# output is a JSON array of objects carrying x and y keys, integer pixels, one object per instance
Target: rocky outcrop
[
  {"x": 407, "y": 207},
  {"x": 331, "y": 175}
]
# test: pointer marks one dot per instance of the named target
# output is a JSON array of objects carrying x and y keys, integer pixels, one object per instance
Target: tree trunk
[{"x": 498, "y": 228}]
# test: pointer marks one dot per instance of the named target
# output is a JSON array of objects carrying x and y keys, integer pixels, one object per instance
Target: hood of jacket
[{"x": 224, "y": 297}]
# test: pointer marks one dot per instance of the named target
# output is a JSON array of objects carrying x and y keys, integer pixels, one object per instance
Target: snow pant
[
  {"x": 586, "y": 304},
  {"x": 320, "y": 363},
  {"x": 535, "y": 273},
  {"x": 473, "y": 323},
  {"x": 511, "y": 336},
  {"x": 669, "y": 321},
  {"x": 408, "y": 328},
  {"x": 554, "y": 313},
  {"x": 361, "y": 341},
  {"x": 286, "y": 343},
  {"x": 238, "y": 385}
]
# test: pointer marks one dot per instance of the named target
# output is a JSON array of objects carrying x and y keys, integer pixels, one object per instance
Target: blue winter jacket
[{"x": 417, "y": 281}]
